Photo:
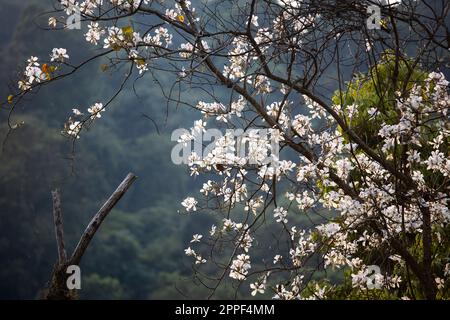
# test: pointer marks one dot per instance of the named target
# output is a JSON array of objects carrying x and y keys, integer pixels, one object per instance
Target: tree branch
[
  {"x": 59, "y": 231},
  {"x": 97, "y": 220}
]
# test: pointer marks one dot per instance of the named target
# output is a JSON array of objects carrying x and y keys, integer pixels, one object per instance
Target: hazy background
[{"x": 138, "y": 252}]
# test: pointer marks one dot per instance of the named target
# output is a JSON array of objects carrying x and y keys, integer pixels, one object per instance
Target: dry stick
[
  {"x": 57, "y": 218},
  {"x": 96, "y": 221}
]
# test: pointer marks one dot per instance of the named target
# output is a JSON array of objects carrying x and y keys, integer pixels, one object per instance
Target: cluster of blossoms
[
  {"x": 196, "y": 238},
  {"x": 191, "y": 253},
  {"x": 177, "y": 13},
  {"x": 73, "y": 127},
  {"x": 365, "y": 279},
  {"x": 190, "y": 204},
  {"x": 240, "y": 266},
  {"x": 36, "y": 73},
  {"x": 339, "y": 242},
  {"x": 89, "y": 6},
  {"x": 289, "y": 293},
  {"x": 425, "y": 107},
  {"x": 139, "y": 48}
]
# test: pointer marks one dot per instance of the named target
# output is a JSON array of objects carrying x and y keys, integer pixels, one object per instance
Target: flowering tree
[{"x": 364, "y": 156}]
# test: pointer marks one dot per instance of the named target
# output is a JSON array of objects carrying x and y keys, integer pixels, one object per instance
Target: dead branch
[
  {"x": 96, "y": 221},
  {"x": 57, "y": 288},
  {"x": 57, "y": 219}
]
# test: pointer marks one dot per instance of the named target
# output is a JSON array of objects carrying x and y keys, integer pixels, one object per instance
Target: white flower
[
  {"x": 418, "y": 177},
  {"x": 280, "y": 214},
  {"x": 277, "y": 259},
  {"x": 94, "y": 33},
  {"x": 395, "y": 281},
  {"x": 59, "y": 54},
  {"x": 33, "y": 61},
  {"x": 23, "y": 85},
  {"x": 343, "y": 168},
  {"x": 52, "y": 22},
  {"x": 199, "y": 127},
  {"x": 74, "y": 129},
  {"x": 186, "y": 50},
  {"x": 435, "y": 160},
  {"x": 255, "y": 21},
  {"x": 262, "y": 84},
  {"x": 240, "y": 266},
  {"x": 114, "y": 39},
  {"x": 257, "y": 288},
  {"x": 190, "y": 204},
  {"x": 171, "y": 14},
  {"x": 440, "y": 283},
  {"x": 189, "y": 252},
  {"x": 368, "y": 45},
  {"x": 95, "y": 110},
  {"x": 413, "y": 156},
  {"x": 196, "y": 238},
  {"x": 33, "y": 73},
  {"x": 228, "y": 225},
  {"x": 163, "y": 33},
  {"x": 372, "y": 111},
  {"x": 238, "y": 106},
  {"x": 199, "y": 259},
  {"x": 301, "y": 124},
  {"x": 185, "y": 138},
  {"x": 77, "y": 112},
  {"x": 329, "y": 229}
]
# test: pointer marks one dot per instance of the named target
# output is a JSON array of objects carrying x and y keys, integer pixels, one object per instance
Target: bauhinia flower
[
  {"x": 196, "y": 238},
  {"x": 96, "y": 110},
  {"x": 190, "y": 204},
  {"x": 59, "y": 55}
]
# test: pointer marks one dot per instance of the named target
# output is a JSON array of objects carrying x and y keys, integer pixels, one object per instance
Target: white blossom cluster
[
  {"x": 423, "y": 113},
  {"x": 73, "y": 127}
]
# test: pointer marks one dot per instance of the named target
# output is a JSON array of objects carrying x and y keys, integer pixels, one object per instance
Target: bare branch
[
  {"x": 97, "y": 220},
  {"x": 59, "y": 231}
]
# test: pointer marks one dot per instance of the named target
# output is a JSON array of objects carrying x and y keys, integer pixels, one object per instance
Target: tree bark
[
  {"x": 429, "y": 286},
  {"x": 59, "y": 232}
]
